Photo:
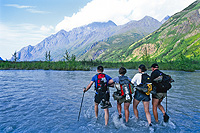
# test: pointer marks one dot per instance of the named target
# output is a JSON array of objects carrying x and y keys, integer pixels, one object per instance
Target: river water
[{"x": 49, "y": 101}]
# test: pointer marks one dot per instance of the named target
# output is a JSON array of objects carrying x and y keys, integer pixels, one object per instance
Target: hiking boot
[
  {"x": 120, "y": 116},
  {"x": 166, "y": 117},
  {"x": 150, "y": 125}
]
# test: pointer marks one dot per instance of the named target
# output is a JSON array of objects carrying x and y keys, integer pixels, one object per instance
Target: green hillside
[
  {"x": 111, "y": 48},
  {"x": 177, "y": 38}
]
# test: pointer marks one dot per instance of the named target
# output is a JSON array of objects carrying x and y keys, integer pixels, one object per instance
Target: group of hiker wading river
[{"x": 140, "y": 86}]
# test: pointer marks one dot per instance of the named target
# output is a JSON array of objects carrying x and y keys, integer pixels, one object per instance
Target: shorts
[
  {"x": 101, "y": 95},
  {"x": 140, "y": 96},
  {"x": 123, "y": 100},
  {"x": 159, "y": 95}
]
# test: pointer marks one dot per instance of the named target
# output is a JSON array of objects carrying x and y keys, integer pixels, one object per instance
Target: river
[{"x": 49, "y": 101}]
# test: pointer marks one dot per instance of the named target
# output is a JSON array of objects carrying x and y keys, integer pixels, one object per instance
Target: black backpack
[
  {"x": 164, "y": 81},
  {"x": 146, "y": 85},
  {"x": 146, "y": 78}
]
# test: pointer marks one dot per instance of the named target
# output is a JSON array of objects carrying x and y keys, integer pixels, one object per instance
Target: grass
[
  {"x": 45, "y": 65},
  {"x": 183, "y": 64}
]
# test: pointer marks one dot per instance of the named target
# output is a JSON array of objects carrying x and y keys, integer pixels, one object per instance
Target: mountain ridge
[
  {"x": 77, "y": 41},
  {"x": 165, "y": 19},
  {"x": 115, "y": 45},
  {"x": 63, "y": 40}
]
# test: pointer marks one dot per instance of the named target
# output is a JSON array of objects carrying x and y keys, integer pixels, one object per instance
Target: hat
[
  {"x": 155, "y": 65},
  {"x": 142, "y": 67}
]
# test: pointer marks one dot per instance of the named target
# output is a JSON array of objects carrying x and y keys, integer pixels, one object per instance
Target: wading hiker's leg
[
  {"x": 106, "y": 116},
  {"x": 155, "y": 105},
  {"x": 135, "y": 104},
  {"x": 161, "y": 107},
  {"x": 146, "y": 109},
  {"x": 119, "y": 108},
  {"x": 126, "y": 109},
  {"x": 165, "y": 116},
  {"x": 96, "y": 109}
]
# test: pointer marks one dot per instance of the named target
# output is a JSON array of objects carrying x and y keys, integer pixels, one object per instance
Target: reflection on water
[{"x": 49, "y": 101}]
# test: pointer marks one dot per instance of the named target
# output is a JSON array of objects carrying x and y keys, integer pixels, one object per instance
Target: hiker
[
  {"x": 159, "y": 95},
  {"x": 123, "y": 93},
  {"x": 140, "y": 95},
  {"x": 102, "y": 92}
]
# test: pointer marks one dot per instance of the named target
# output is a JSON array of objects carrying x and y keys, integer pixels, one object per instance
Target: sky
[{"x": 28, "y": 22}]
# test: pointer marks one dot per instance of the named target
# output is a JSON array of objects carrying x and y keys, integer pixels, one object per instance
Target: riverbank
[
  {"x": 189, "y": 65},
  {"x": 45, "y": 65}
]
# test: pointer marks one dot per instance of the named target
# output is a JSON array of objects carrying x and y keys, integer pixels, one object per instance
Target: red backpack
[
  {"x": 101, "y": 82},
  {"x": 125, "y": 85}
]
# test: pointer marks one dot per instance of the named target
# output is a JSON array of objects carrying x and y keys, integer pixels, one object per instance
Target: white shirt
[{"x": 137, "y": 79}]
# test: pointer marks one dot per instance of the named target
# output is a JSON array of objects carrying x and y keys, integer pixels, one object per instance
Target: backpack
[
  {"x": 164, "y": 81},
  {"x": 125, "y": 85},
  {"x": 145, "y": 85},
  {"x": 101, "y": 83}
]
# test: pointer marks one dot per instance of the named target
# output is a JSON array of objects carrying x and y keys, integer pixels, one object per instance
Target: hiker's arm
[
  {"x": 130, "y": 81},
  {"x": 88, "y": 87},
  {"x": 154, "y": 75},
  {"x": 111, "y": 83}
]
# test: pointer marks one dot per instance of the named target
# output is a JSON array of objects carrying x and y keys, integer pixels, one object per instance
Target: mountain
[
  {"x": 80, "y": 40},
  {"x": 179, "y": 36},
  {"x": 165, "y": 19},
  {"x": 144, "y": 26},
  {"x": 114, "y": 46},
  {"x": 1, "y": 58},
  {"x": 75, "y": 41}
]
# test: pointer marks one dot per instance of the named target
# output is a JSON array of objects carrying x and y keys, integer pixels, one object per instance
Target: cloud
[
  {"x": 14, "y": 37},
  {"x": 46, "y": 28},
  {"x": 31, "y": 9},
  {"x": 121, "y": 11},
  {"x": 37, "y": 11},
  {"x": 18, "y": 6}
]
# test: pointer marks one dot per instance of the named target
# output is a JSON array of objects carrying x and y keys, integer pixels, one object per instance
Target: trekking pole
[
  {"x": 166, "y": 103},
  {"x": 81, "y": 106}
]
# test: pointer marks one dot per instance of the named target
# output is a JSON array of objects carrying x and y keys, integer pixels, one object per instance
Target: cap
[
  {"x": 142, "y": 67},
  {"x": 155, "y": 65}
]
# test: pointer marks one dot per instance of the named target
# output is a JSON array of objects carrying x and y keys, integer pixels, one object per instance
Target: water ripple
[{"x": 49, "y": 101}]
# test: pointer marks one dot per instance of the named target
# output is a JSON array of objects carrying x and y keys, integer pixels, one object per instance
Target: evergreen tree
[
  {"x": 49, "y": 56},
  {"x": 66, "y": 56},
  {"x": 15, "y": 56},
  {"x": 145, "y": 56},
  {"x": 46, "y": 56},
  {"x": 73, "y": 58}
]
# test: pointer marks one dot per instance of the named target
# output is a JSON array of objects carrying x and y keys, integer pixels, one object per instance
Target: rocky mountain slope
[
  {"x": 177, "y": 37},
  {"x": 80, "y": 40}
]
